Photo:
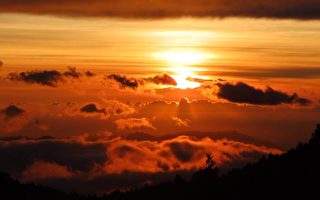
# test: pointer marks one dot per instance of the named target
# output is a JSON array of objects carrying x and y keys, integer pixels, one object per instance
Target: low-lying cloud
[{"x": 83, "y": 160}]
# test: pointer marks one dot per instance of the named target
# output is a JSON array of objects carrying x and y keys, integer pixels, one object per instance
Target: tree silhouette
[
  {"x": 315, "y": 138},
  {"x": 210, "y": 163},
  {"x": 208, "y": 173}
]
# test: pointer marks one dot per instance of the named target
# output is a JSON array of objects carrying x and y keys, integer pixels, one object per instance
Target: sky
[{"x": 98, "y": 95}]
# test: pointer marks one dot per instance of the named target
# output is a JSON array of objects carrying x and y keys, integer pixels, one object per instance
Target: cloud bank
[
  {"x": 103, "y": 158},
  {"x": 295, "y": 9}
]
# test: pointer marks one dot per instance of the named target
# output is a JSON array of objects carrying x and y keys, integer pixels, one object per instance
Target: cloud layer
[
  {"x": 93, "y": 158},
  {"x": 166, "y": 8}
]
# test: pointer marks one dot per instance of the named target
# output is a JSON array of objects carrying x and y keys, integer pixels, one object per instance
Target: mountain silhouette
[{"x": 292, "y": 175}]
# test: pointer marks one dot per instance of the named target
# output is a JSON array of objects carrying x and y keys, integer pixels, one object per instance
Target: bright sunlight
[{"x": 180, "y": 64}]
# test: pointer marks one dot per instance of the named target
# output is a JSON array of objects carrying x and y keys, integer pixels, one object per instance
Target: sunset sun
[
  {"x": 182, "y": 58},
  {"x": 182, "y": 65}
]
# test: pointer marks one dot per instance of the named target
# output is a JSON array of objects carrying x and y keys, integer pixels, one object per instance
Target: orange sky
[
  {"x": 150, "y": 91},
  {"x": 282, "y": 54}
]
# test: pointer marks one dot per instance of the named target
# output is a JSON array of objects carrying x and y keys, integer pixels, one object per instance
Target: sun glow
[
  {"x": 180, "y": 62},
  {"x": 183, "y": 83},
  {"x": 183, "y": 58}
]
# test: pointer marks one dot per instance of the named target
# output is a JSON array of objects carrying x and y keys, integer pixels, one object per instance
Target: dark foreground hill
[{"x": 293, "y": 175}]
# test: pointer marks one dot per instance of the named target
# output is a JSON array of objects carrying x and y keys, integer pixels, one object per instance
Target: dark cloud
[
  {"x": 72, "y": 72},
  {"x": 47, "y": 77},
  {"x": 1, "y": 63},
  {"x": 134, "y": 83},
  {"x": 92, "y": 108},
  {"x": 124, "y": 81},
  {"x": 89, "y": 73},
  {"x": 243, "y": 93},
  {"x": 12, "y": 111},
  {"x": 184, "y": 151},
  {"x": 164, "y": 79},
  {"x": 295, "y": 9}
]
